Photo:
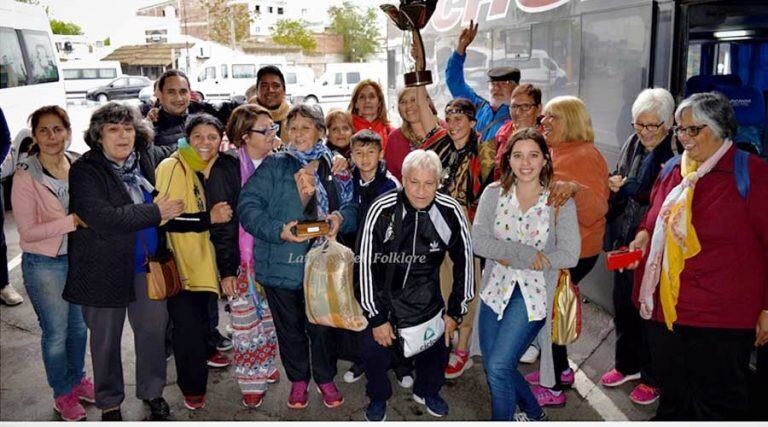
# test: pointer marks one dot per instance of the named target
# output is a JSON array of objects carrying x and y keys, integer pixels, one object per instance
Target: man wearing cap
[
  {"x": 269, "y": 92},
  {"x": 492, "y": 114}
]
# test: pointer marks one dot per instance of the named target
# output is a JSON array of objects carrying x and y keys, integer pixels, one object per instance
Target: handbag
[
  {"x": 163, "y": 279},
  {"x": 566, "y": 309}
]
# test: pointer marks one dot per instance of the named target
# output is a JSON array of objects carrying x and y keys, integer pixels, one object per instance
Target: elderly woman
[
  {"x": 580, "y": 173},
  {"x": 524, "y": 112},
  {"x": 339, "y": 125},
  {"x": 289, "y": 187},
  {"x": 640, "y": 162},
  {"x": 703, "y": 279},
  {"x": 369, "y": 111},
  {"x": 525, "y": 243},
  {"x": 41, "y": 209},
  {"x": 110, "y": 190}
]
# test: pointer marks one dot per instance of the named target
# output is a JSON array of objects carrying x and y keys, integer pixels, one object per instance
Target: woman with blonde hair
[{"x": 369, "y": 111}]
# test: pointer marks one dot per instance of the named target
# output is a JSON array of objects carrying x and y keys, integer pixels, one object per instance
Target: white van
[
  {"x": 81, "y": 75},
  {"x": 339, "y": 80},
  {"x": 297, "y": 79},
  {"x": 539, "y": 69},
  {"x": 30, "y": 74},
  {"x": 226, "y": 78}
]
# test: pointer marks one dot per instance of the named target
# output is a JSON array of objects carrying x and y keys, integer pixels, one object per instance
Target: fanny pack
[{"x": 415, "y": 339}]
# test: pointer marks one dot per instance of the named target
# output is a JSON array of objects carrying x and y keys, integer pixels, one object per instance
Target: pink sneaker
[
  {"x": 546, "y": 397},
  {"x": 299, "y": 398},
  {"x": 332, "y": 397},
  {"x": 614, "y": 378},
  {"x": 84, "y": 390},
  {"x": 566, "y": 378},
  {"x": 69, "y": 407},
  {"x": 644, "y": 395}
]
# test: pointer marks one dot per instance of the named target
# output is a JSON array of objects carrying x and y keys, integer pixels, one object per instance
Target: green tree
[
  {"x": 107, "y": 41},
  {"x": 227, "y": 23},
  {"x": 67, "y": 28},
  {"x": 359, "y": 30},
  {"x": 293, "y": 32}
]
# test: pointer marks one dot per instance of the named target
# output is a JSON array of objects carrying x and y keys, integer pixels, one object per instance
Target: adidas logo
[{"x": 434, "y": 246}]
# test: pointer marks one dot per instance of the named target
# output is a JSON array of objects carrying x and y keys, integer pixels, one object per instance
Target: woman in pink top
[{"x": 40, "y": 200}]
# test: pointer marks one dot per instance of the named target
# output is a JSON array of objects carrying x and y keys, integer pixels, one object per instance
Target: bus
[
  {"x": 605, "y": 52},
  {"x": 30, "y": 74},
  {"x": 81, "y": 75}
]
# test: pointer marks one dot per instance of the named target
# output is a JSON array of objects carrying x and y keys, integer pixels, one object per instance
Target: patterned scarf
[
  {"x": 130, "y": 174},
  {"x": 674, "y": 239},
  {"x": 190, "y": 156},
  {"x": 317, "y": 152}
]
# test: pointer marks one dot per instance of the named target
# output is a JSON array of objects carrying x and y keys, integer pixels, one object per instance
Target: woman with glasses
[
  {"x": 640, "y": 162},
  {"x": 524, "y": 112},
  {"x": 703, "y": 280},
  {"x": 581, "y": 174},
  {"x": 292, "y": 186}
]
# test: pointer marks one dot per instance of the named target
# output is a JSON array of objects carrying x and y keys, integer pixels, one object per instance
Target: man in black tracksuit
[{"x": 403, "y": 241}]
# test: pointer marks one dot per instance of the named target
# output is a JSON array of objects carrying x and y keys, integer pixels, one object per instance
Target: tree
[
  {"x": 359, "y": 30},
  {"x": 293, "y": 32},
  {"x": 228, "y": 23},
  {"x": 67, "y": 28}
]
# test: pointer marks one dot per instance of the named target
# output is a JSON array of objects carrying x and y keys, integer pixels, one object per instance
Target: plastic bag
[
  {"x": 329, "y": 289},
  {"x": 566, "y": 311}
]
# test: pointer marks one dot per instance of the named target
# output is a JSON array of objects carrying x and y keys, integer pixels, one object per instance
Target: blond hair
[{"x": 573, "y": 112}]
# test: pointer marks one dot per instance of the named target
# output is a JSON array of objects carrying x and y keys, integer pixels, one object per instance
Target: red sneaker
[
  {"x": 218, "y": 360},
  {"x": 644, "y": 395},
  {"x": 457, "y": 364},
  {"x": 69, "y": 407},
  {"x": 614, "y": 378},
  {"x": 252, "y": 400},
  {"x": 546, "y": 397},
  {"x": 84, "y": 390},
  {"x": 273, "y": 377},
  {"x": 194, "y": 402},
  {"x": 299, "y": 398},
  {"x": 566, "y": 378},
  {"x": 332, "y": 397}
]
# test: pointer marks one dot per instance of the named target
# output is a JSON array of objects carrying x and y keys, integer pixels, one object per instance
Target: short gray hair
[
  {"x": 712, "y": 109},
  {"x": 118, "y": 113},
  {"x": 308, "y": 111},
  {"x": 656, "y": 101},
  {"x": 421, "y": 159}
]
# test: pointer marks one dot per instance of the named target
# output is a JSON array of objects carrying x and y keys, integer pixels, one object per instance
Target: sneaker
[
  {"x": 252, "y": 400},
  {"x": 457, "y": 365},
  {"x": 547, "y": 397},
  {"x": 159, "y": 409},
  {"x": 614, "y": 378},
  {"x": 332, "y": 397},
  {"x": 218, "y": 360},
  {"x": 523, "y": 417},
  {"x": 566, "y": 378},
  {"x": 406, "y": 381},
  {"x": 436, "y": 406},
  {"x": 376, "y": 411},
  {"x": 84, "y": 390},
  {"x": 69, "y": 407},
  {"x": 644, "y": 395},
  {"x": 112, "y": 415},
  {"x": 229, "y": 330},
  {"x": 530, "y": 355},
  {"x": 194, "y": 403},
  {"x": 224, "y": 344},
  {"x": 354, "y": 373},
  {"x": 9, "y": 296},
  {"x": 299, "y": 398},
  {"x": 273, "y": 377}
]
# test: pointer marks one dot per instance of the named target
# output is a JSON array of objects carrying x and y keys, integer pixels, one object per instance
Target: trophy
[{"x": 412, "y": 16}]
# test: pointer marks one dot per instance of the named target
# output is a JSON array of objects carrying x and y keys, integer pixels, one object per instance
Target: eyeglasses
[
  {"x": 689, "y": 131},
  {"x": 524, "y": 108},
  {"x": 266, "y": 131},
  {"x": 650, "y": 127}
]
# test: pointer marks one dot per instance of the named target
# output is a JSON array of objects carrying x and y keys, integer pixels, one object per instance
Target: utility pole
[{"x": 231, "y": 26}]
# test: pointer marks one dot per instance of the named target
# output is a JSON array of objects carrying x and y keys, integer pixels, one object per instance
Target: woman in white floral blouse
[{"x": 525, "y": 243}]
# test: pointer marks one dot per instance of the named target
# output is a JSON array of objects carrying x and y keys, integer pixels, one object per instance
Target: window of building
[
  {"x": 279, "y": 10},
  {"x": 257, "y": 9},
  {"x": 271, "y": 9}
]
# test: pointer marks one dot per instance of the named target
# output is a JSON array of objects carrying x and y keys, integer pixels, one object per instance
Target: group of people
[{"x": 486, "y": 205}]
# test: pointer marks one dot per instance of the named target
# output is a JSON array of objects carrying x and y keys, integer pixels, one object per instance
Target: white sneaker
[
  {"x": 9, "y": 296},
  {"x": 406, "y": 381},
  {"x": 530, "y": 355}
]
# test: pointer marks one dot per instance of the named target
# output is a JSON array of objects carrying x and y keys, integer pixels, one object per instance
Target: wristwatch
[{"x": 457, "y": 319}]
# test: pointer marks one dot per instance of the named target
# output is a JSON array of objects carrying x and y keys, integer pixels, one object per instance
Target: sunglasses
[
  {"x": 266, "y": 131},
  {"x": 690, "y": 131}
]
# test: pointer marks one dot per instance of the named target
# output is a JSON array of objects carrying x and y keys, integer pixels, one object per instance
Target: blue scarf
[
  {"x": 317, "y": 152},
  {"x": 130, "y": 174}
]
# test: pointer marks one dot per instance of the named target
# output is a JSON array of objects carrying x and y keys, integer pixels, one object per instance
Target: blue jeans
[
  {"x": 64, "y": 333},
  {"x": 503, "y": 343}
]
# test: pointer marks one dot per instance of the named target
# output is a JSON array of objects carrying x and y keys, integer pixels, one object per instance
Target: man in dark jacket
[{"x": 403, "y": 242}]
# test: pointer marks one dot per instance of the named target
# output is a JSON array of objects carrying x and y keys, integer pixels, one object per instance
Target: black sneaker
[
  {"x": 158, "y": 409},
  {"x": 112, "y": 415}
]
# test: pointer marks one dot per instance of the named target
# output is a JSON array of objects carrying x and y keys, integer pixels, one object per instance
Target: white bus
[
  {"x": 30, "y": 74},
  {"x": 81, "y": 75}
]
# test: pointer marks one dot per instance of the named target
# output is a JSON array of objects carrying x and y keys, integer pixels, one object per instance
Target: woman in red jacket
[
  {"x": 369, "y": 111},
  {"x": 704, "y": 277}
]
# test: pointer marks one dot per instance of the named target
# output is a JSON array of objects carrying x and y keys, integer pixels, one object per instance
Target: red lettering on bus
[{"x": 535, "y": 6}]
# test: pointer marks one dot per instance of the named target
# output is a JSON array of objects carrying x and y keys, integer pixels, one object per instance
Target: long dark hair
[{"x": 508, "y": 177}]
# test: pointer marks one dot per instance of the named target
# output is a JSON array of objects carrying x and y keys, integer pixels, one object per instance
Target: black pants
[
  {"x": 759, "y": 395},
  {"x": 299, "y": 340},
  {"x": 702, "y": 372},
  {"x": 430, "y": 368},
  {"x": 3, "y": 246},
  {"x": 348, "y": 344},
  {"x": 213, "y": 321},
  {"x": 560, "y": 352},
  {"x": 632, "y": 354},
  {"x": 189, "y": 313}
]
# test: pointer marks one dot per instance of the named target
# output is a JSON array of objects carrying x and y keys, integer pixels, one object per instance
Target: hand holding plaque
[{"x": 413, "y": 15}]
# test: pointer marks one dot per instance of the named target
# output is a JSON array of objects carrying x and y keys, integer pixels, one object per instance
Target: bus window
[
  {"x": 12, "y": 69},
  {"x": 243, "y": 71},
  {"x": 210, "y": 73},
  {"x": 694, "y": 60},
  {"x": 39, "y": 51},
  {"x": 107, "y": 73},
  {"x": 90, "y": 73},
  {"x": 71, "y": 74},
  {"x": 224, "y": 71}
]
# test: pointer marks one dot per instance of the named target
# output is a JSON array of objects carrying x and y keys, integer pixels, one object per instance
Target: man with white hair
[{"x": 403, "y": 242}]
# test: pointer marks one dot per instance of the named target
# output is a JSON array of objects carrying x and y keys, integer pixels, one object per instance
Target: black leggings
[{"x": 560, "y": 352}]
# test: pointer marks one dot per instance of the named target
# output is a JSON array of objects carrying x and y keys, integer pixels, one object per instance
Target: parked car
[{"x": 123, "y": 87}]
